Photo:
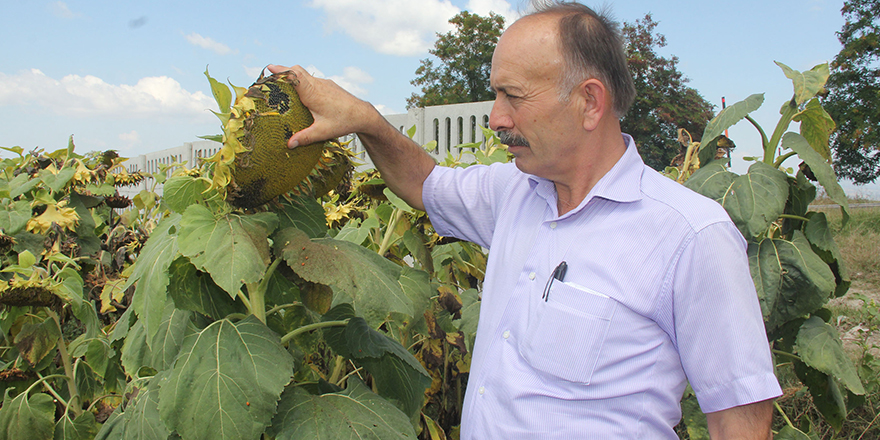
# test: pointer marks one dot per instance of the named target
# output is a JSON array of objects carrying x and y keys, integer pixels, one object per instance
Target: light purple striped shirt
[{"x": 657, "y": 293}]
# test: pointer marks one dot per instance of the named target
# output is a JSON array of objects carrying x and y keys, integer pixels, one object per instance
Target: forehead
[{"x": 528, "y": 50}]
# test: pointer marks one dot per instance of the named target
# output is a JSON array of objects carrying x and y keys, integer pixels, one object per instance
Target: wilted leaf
[
  {"x": 27, "y": 418},
  {"x": 819, "y": 346},
  {"x": 36, "y": 340},
  {"x": 112, "y": 291},
  {"x": 816, "y": 127},
  {"x": 357, "y": 275},
  {"x": 228, "y": 377},
  {"x": 65, "y": 218},
  {"x": 355, "y": 413},
  {"x": 821, "y": 169},
  {"x": 806, "y": 84},
  {"x": 233, "y": 248}
]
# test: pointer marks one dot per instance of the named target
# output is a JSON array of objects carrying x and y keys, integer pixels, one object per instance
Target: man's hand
[
  {"x": 746, "y": 422},
  {"x": 403, "y": 164},
  {"x": 336, "y": 112}
]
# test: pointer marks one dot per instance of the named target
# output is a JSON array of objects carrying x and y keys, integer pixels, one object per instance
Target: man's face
[{"x": 528, "y": 114}]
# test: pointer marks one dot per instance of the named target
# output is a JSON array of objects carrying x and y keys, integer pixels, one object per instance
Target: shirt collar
[{"x": 620, "y": 184}]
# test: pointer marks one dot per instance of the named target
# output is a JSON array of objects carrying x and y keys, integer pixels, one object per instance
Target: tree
[
  {"x": 465, "y": 57},
  {"x": 854, "y": 93},
  {"x": 663, "y": 102}
]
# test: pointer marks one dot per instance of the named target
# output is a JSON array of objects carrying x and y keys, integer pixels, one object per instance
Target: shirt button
[
  {"x": 553, "y": 225},
  {"x": 481, "y": 390},
  {"x": 506, "y": 334},
  {"x": 532, "y": 276}
]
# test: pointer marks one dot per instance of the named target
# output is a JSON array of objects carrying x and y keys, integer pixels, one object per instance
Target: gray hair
[{"x": 592, "y": 47}]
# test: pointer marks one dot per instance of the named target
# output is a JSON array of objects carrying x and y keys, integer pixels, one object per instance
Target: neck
[{"x": 595, "y": 163}]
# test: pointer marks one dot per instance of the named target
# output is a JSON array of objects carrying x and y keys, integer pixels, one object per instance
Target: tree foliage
[
  {"x": 663, "y": 102},
  {"x": 465, "y": 57},
  {"x": 854, "y": 91}
]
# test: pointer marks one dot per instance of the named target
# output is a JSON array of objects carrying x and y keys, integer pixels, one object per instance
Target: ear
[{"x": 596, "y": 102}]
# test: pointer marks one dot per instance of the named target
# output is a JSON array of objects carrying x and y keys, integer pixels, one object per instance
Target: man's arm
[
  {"x": 746, "y": 422},
  {"x": 403, "y": 164}
]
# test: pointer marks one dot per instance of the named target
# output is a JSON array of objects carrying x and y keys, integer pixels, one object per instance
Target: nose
[{"x": 499, "y": 117}]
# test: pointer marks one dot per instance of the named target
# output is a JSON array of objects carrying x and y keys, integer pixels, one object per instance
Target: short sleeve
[
  {"x": 719, "y": 328},
  {"x": 463, "y": 202}
]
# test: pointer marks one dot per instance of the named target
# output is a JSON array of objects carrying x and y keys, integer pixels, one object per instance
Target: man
[{"x": 655, "y": 289}]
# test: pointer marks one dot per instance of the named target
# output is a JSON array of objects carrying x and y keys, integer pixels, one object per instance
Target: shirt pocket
[{"x": 567, "y": 333}]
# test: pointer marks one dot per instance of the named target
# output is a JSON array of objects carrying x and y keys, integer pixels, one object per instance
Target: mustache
[{"x": 512, "y": 139}]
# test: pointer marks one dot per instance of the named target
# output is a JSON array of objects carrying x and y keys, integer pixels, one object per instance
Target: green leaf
[
  {"x": 57, "y": 182},
  {"x": 136, "y": 351},
  {"x": 151, "y": 273},
  {"x": 728, "y": 117},
  {"x": 417, "y": 248},
  {"x": 221, "y": 93},
  {"x": 806, "y": 84},
  {"x": 27, "y": 418},
  {"x": 227, "y": 377},
  {"x": 71, "y": 286},
  {"x": 694, "y": 419},
  {"x": 175, "y": 326},
  {"x": 84, "y": 427},
  {"x": 396, "y": 201},
  {"x": 756, "y": 199},
  {"x": 819, "y": 346},
  {"x": 398, "y": 374},
  {"x": 194, "y": 290},
  {"x": 357, "y": 275},
  {"x": 303, "y": 213},
  {"x": 22, "y": 184},
  {"x": 15, "y": 216},
  {"x": 712, "y": 181},
  {"x": 355, "y": 413},
  {"x": 233, "y": 248},
  {"x": 789, "y": 433},
  {"x": 818, "y": 232},
  {"x": 790, "y": 278},
  {"x": 470, "y": 316},
  {"x": 821, "y": 169},
  {"x": 181, "y": 191},
  {"x": 825, "y": 392},
  {"x": 816, "y": 127},
  {"x": 141, "y": 416}
]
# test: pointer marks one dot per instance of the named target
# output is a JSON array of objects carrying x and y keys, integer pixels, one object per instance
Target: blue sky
[{"x": 128, "y": 75}]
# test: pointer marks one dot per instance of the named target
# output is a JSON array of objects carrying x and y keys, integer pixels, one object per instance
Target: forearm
[
  {"x": 746, "y": 422},
  {"x": 402, "y": 163}
]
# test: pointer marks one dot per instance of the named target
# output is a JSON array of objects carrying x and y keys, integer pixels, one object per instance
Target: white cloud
[
  {"x": 352, "y": 79},
  {"x": 131, "y": 139},
  {"x": 61, "y": 10},
  {"x": 208, "y": 43},
  {"x": 500, "y": 7},
  {"x": 395, "y": 27},
  {"x": 253, "y": 72},
  {"x": 89, "y": 95}
]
